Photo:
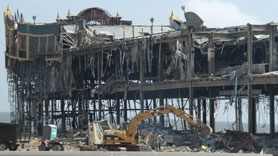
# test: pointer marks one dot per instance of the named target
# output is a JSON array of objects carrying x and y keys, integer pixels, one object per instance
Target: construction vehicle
[
  {"x": 50, "y": 141},
  {"x": 128, "y": 136},
  {"x": 13, "y": 135},
  {"x": 103, "y": 135}
]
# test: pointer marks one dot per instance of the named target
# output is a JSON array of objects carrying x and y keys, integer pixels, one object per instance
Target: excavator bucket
[{"x": 206, "y": 131}]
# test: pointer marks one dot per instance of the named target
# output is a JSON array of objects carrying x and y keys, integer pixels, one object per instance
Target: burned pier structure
[{"x": 95, "y": 66}]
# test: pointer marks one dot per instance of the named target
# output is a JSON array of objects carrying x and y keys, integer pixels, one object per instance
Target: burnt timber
[{"x": 95, "y": 66}]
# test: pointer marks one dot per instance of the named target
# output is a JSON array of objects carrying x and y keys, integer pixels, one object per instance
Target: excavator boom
[{"x": 131, "y": 132}]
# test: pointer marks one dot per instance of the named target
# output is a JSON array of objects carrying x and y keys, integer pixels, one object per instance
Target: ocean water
[{"x": 5, "y": 117}]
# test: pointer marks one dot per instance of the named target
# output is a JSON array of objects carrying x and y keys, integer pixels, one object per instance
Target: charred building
[{"x": 94, "y": 66}]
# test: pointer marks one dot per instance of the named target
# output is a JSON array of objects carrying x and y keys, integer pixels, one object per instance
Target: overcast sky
[{"x": 215, "y": 13}]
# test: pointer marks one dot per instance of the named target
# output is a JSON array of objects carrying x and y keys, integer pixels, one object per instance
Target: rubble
[
  {"x": 222, "y": 142},
  {"x": 31, "y": 146},
  {"x": 175, "y": 141},
  {"x": 169, "y": 136}
]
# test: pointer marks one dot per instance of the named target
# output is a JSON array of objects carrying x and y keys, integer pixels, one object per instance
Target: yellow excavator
[{"x": 127, "y": 133}]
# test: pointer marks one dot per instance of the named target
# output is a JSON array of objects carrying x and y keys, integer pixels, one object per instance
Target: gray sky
[{"x": 215, "y": 13}]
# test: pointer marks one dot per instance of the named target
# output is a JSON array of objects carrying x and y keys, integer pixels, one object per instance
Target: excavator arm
[
  {"x": 131, "y": 132},
  {"x": 206, "y": 130}
]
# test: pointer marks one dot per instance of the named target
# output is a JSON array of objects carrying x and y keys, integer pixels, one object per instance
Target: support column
[
  {"x": 29, "y": 113},
  {"x": 73, "y": 113},
  {"x": 125, "y": 110},
  {"x": 118, "y": 115},
  {"x": 161, "y": 103},
  {"x": 249, "y": 49},
  {"x": 52, "y": 111},
  {"x": 80, "y": 112},
  {"x": 142, "y": 78},
  {"x": 99, "y": 61},
  {"x": 189, "y": 60},
  {"x": 46, "y": 111},
  {"x": 251, "y": 112},
  {"x": 271, "y": 49},
  {"x": 183, "y": 108},
  {"x": 211, "y": 114},
  {"x": 189, "y": 74},
  {"x": 160, "y": 68},
  {"x": 63, "y": 115},
  {"x": 204, "y": 111},
  {"x": 40, "y": 118},
  {"x": 91, "y": 117},
  {"x": 271, "y": 112},
  {"x": 239, "y": 125},
  {"x": 199, "y": 109},
  {"x": 87, "y": 110},
  {"x": 251, "y": 101},
  {"x": 191, "y": 104},
  {"x": 254, "y": 119},
  {"x": 250, "y": 108},
  {"x": 154, "y": 106},
  {"x": 211, "y": 55},
  {"x": 212, "y": 109}
]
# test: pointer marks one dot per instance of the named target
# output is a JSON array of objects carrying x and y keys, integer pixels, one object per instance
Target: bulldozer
[{"x": 104, "y": 136}]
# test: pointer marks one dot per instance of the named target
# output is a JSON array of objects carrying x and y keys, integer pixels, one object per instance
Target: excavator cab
[{"x": 124, "y": 126}]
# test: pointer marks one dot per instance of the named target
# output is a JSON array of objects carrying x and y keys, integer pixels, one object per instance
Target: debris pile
[
  {"x": 177, "y": 141},
  {"x": 74, "y": 139},
  {"x": 170, "y": 137},
  {"x": 229, "y": 141},
  {"x": 269, "y": 145},
  {"x": 31, "y": 146}
]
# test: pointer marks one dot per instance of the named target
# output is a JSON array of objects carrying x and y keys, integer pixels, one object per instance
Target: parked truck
[{"x": 13, "y": 135}]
